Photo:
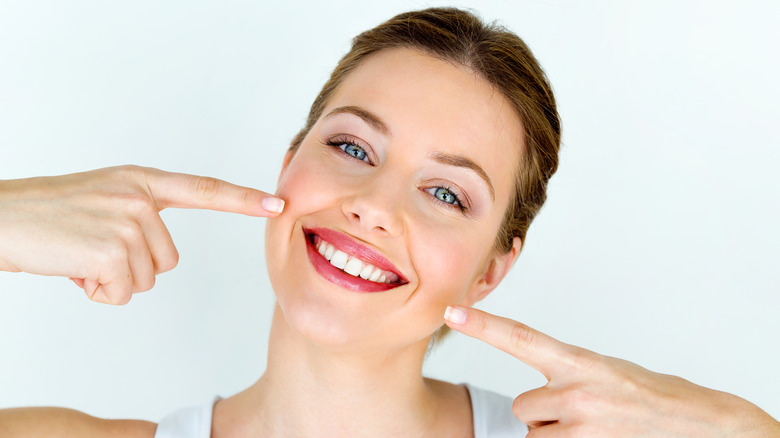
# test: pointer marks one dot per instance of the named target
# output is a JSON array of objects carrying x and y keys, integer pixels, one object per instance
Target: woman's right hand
[
  {"x": 591, "y": 395},
  {"x": 102, "y": 228}
]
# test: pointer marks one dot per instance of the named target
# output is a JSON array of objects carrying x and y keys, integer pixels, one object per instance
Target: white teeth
[
  {"x": 365, "y": 273},
  {"x": 353, "y": 267},
  {"x": 339, "y": 259},
  {"x": 329, "y": 250}
]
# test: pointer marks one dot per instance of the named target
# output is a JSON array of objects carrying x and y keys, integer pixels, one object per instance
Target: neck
[{"x": 311, "y": 390}]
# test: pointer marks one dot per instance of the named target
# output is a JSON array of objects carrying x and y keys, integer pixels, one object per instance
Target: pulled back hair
[{"x": 498, "y": 56}]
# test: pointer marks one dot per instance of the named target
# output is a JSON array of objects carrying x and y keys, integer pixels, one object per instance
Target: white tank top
[{"x": 493, "y": 418}]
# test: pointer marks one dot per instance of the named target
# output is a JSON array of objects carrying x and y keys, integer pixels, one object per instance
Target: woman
[{"x": 407, "y": 197}]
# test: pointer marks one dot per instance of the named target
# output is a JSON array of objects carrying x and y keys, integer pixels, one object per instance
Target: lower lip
[{"x": 341, "y": 278}]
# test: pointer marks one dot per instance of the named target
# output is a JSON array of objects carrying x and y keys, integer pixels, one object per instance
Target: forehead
[{"x": 436, "y": 106}]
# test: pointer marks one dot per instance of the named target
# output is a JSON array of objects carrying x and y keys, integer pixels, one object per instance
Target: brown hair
[{"x": 501, "y": 58}]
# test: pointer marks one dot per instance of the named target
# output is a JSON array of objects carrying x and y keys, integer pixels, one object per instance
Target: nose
[{"x": 375, "y": 207}]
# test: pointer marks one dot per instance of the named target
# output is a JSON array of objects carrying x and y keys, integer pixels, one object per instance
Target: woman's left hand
[{"x": 590, "y": 395}]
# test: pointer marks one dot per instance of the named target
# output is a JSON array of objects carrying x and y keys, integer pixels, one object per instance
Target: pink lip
[{"x": 344, "y": 243}]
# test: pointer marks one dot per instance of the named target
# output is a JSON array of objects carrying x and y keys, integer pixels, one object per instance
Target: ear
[{"x": 497, "y": 268}]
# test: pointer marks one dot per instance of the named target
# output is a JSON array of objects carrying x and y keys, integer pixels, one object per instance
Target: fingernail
[
  {"x": 272, "y": 204},
  {"x": 455, "y": 315}
]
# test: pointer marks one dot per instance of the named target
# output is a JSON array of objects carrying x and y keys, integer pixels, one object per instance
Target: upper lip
[{"x": 344, "y": 243}]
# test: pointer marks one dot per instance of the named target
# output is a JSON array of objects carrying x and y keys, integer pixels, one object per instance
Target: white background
[{"x": 659, "y": 242}]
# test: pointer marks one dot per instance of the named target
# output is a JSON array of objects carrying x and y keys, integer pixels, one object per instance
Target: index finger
[
  {"x": 542, "y": 352},
  {"x": 179, "y": 190}
]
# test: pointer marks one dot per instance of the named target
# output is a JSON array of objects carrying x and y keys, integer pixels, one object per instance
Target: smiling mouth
[{"x": 349, "y": 264}]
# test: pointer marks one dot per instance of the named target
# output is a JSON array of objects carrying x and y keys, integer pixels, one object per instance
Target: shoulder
[
  {"x": 493, "y": 415},
  {"x": 61, "y": 422}
]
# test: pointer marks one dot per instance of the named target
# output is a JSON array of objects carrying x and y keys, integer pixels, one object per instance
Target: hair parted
[{"x": 497, "y": 55}]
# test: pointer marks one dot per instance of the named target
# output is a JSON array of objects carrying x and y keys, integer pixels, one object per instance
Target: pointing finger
[
  {"x": 180, "y": 190},
  {"x": 544, "y": 353}
]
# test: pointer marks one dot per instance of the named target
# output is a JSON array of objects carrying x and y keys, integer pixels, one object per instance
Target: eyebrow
[
  {"x": 468, "y": 163},
  {"x": 367, "y": 116}
]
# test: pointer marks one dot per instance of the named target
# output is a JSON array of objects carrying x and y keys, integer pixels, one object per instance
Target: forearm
[
  {"x": 749, "y": 421},
  {"x": 45, "y": 422},
  {"x": 63, "y": 423},
  {"x": 5, "y": 265}
]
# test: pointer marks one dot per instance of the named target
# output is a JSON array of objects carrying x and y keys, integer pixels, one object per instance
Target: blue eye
[
  {"x": 447, "y": 196},
  {"x": 354, "y": 151},
  {"x": 350, "y": 148}
]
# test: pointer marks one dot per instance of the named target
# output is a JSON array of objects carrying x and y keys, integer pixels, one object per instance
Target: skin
[
  {"x": 121, "y": 251},
  {"x": 359, "y": 353},
  {"x": 343, "y": 363},
  {"x": 590, "y": 395},
  {"x": 42, "y": 225},
  {"x": 385, "y": 204}
]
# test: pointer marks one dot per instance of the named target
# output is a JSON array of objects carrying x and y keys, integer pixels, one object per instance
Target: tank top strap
[
  {"x": 191, "y": 422},
  {"x": 493, "y": 417}
]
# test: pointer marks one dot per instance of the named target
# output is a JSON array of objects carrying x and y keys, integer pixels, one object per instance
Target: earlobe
[{"x": 497, "y": 269}]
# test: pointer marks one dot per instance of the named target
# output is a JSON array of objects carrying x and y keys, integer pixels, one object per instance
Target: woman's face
[{"x": 404, "y": 179}]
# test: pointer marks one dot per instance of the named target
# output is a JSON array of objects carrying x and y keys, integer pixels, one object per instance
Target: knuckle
[
  {"x": 127, "y": 171},
  {"x": 585, "y": 360},
  {"x": 521, "y": 336},
  {"x": 482, "y": 322},
  {"x": 145, "y": 283},
  {"x": 113, "y": 252},
  {"x": 577, "y": 397},
  {"x": 139, "y": 204},
  {"x": 518, "y": 408},
  {"x": 168, "y": 262},
  {"x": 584, "y": 401},
  {"x": 206, "y": 188},
  {"x": 129, "y": 168},
  {"x": 121, "y": 299},
  {"x": 128, "y": 230},
  {"x": 118, "y": 294},
  {"x": 249, "y": 197}
]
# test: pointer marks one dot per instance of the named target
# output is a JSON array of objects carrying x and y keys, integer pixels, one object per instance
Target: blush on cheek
[
  {"x": 306, "y": 186},
  {"x": 447, "y": 263}
]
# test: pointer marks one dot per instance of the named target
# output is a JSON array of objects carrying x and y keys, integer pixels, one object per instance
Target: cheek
[
  {"x": 300, "y": 185},
  {"x": 447, "y": 262},
  {"x": 312, "y": 181}
]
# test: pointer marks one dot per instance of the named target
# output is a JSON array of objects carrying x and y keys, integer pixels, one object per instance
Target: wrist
[{"x": 747, "y": 420}]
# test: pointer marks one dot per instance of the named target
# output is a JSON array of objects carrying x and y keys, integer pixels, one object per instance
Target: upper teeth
[{"x": 352, "y": 265}]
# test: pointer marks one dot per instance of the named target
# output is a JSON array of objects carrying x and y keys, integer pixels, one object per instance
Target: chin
[{"x": 322, "y": 327}]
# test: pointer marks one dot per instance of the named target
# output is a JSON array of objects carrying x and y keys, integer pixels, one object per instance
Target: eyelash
[
  {"x": 338, "y": 142},
  {"x": 457, "y": 204},
  {"x": 344, "y": 141}
]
